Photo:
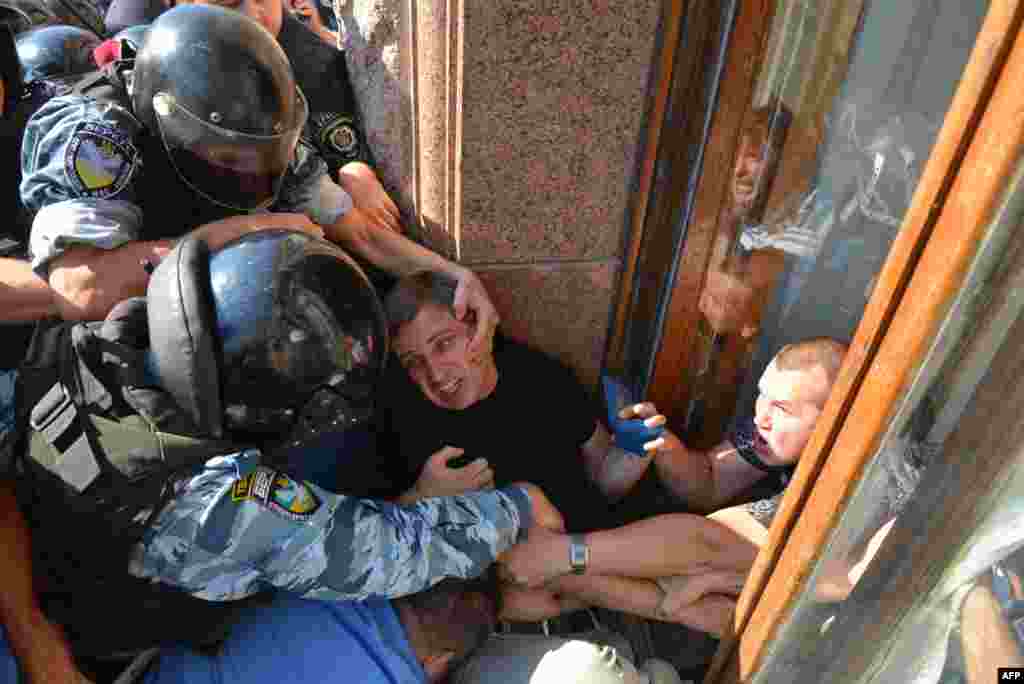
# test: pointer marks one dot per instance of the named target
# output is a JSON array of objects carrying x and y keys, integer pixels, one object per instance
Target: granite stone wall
[{"x": 509, "y": 130}]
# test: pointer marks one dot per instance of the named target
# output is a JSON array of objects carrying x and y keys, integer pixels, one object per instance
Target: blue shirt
[{"x": 296, "y": 640}]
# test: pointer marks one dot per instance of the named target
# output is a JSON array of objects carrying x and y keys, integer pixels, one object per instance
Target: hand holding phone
[{"x": 630, "y": 433}]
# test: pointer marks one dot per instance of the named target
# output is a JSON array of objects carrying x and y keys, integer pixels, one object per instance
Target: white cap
[{"x": 581, "y": 662}]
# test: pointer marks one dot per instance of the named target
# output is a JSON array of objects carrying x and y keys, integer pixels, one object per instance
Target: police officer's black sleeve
[{"x": 334, "y": 128}]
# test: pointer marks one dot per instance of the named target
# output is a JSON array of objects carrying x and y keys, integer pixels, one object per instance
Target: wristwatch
[{"x": 579, "y": 554}]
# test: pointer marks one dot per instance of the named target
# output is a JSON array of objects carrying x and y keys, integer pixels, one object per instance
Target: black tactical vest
[{"x": 101, "y": 450}]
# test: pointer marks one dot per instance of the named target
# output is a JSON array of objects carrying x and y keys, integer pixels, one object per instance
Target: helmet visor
[
  {"x": 303, "y": 354},
  {"x": 237, "y": 170}
]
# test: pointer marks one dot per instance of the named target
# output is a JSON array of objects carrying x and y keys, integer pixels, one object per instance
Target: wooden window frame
[{"x": 962, "y": 185}]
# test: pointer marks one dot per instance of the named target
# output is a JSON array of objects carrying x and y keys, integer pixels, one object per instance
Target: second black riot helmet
[
  {"x": 220, "y": 93},
  {"x": 273, "y": 339}
]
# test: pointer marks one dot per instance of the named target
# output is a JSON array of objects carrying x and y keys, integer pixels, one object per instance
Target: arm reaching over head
[
  {"x": 399, "y": 255},
  {"x": 24, "y": 295},
  {"x": 88, "y": 281}
]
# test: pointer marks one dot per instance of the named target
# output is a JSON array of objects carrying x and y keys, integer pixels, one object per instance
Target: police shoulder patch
[
  {"x": 100, "y": 160},
  {"x": 278, "y": 492},
  {"x": 340, "y": 135},
  {"x": 293, "y": 498}
]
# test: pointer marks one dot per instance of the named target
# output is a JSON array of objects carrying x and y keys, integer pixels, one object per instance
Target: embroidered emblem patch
[
  {"x": 294, "y": 499},
  {"x": 278, "y": 492},
  {"x": 240, "y": 490},
  {"x": 100, "y": 161},
  {"x": 340, "y": 136},
  {"x": 255, "y": 485}
]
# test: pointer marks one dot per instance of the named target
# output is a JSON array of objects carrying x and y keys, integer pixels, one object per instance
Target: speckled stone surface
[
  {"x": 370, "y": 33},
  {"x": 559, "y": 308},
  {"x": 553, "y": 101},
  {"x": 520, "y": 156}
]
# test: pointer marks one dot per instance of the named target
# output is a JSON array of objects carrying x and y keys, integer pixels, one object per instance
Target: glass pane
[
  {"x": 844, "y": 116},
  {"x": 959, "y": 616}
]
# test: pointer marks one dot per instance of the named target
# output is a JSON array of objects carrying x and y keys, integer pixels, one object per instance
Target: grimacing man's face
[
  {"x": 788, "y": 405},
  {"x": 434, "y": 350}
]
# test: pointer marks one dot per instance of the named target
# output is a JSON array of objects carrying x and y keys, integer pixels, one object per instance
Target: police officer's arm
[
  {"x": 360, "y": 181},
  {"x": 24, "y": 295},
  {"x": 223, "y": 538},
  {"x": 38, "y": 644},
  {"x": 88, "y": 281},
  {"x": 401, "y": 256}
]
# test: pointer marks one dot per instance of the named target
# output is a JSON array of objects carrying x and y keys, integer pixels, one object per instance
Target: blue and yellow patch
[
  {"x": 100, "y": 161},
  {"x": 278, "y": 492}
]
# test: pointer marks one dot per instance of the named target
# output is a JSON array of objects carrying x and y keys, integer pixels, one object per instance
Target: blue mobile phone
[{"x": 630, "y": 434}]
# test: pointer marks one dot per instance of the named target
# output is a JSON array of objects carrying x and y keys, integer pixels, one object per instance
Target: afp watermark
[{"x": 1011, "y": 674}]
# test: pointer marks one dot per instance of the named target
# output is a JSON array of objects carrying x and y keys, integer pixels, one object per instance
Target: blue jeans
[{"x": 8, "y": 665}]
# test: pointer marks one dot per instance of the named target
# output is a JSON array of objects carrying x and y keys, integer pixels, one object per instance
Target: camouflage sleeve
[
  {"x": 308, "y": 189},
  {"x": 80, "y": 167},
  {"x": 229, "y": 534}
]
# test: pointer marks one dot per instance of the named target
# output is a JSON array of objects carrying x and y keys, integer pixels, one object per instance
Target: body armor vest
[{"x": 102, "y": 448}]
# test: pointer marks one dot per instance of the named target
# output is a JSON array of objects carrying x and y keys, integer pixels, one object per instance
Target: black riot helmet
[
  {"x": 271, "y": 340},
  {"x": 220, "y": 93},
  {"x": 56, "y": 52}
]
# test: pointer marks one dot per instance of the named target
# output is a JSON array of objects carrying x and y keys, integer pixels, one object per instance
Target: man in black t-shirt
[
  {"x": 457, "y": 422},
  {"x": 510, "y": 415}
]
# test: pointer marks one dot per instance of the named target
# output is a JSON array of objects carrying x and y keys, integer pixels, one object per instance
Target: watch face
[{"x": 578, "y": 555}]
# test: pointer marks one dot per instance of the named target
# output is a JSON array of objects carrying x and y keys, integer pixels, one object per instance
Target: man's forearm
[
  {"x": 385, "y": 249},
  {"x": 626, "y": 594},
  {"x": 87, "y": 282},
  {"x": 614, "y": 470},
  {"x": 689, "y": 475},
  {"x": 642, "y": 549},
  {"x": 643, "y": 597},
  {"x": 987, "y": 640},
  {"x": 24, "y": 295},
  {"x": 39, "y": 645}
]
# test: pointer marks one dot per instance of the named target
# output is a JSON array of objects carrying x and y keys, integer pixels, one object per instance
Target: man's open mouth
[{"x": 449, "y": 388}]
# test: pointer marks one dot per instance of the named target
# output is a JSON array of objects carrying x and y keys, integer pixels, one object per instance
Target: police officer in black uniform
[{"x": 206, "y": 135}]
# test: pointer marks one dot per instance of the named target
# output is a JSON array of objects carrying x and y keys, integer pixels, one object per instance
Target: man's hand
[
  {"x": 545, "y": 553},
  {"x": 648, "y": 412},
  {"x": 684, "y": 590},
  {"x": 471, "y": 301},
  {"x": 439, "y": 479},
  {"x": 309, "y": 15},
  {"x": 543, "y": 557},
  {"x": 728, "y": 304},
  {"x": 533, "y": 605},
  {"x": 544, "y": 512},
  {"x": 368, "y": 195}
]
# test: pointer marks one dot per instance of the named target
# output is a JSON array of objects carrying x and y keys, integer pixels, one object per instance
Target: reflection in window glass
[
  {"x": 858, "y": 91},
  {"x": 958, "y": 616}
]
